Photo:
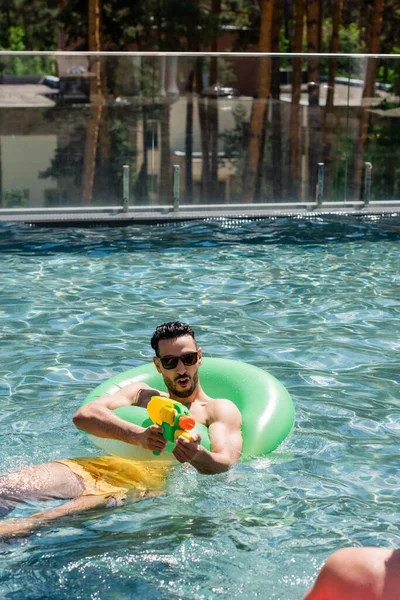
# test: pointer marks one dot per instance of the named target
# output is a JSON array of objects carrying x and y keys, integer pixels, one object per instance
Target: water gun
[{"x": 173, "y": 416}]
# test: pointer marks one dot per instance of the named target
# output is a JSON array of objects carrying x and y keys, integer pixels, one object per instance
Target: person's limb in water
[
  {"x": 359, "y": 574},
  {"x": 12, "y": 527},
  {"x": 97, "y": 417},
  {"x": 89, "y": 482},
  {"x": 45, "y": 481},
  {"x": 225, "y": 437},
  {"x": 21, "y": 526}
]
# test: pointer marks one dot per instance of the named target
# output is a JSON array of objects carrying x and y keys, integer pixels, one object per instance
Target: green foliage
[
  {"x": 25, "y": 65},
  {"x": 226, "y": 72},
  {"x": 239, "y": 13},
  {"x": 382, "y": 150},
  {"x": 175, "y": 24},
  {"x": 119, "y": 126},
  {"x": 234, "y": 141},
  {"x": 16, "y": 198},
  {"x": 183, "y": 25},
  {"x": 349, "y": 39},
  {"x": 284, "y": 46},
  {"x": 26, "y": 26},
  {"x": 123, "y": 150},
  {"x": 166, "y": 25},
  {"x": 17, "y": 36},
  {"x": 389, "y": 72},
  {"x": 389, "y": 38},
  {"x": 30, "y": 23},
  {"x": 72, "y": 19},
  {"x": 67, "y": 161},
  {"x": 386, "y": 105},
  {"x": 349, "y": 43}
]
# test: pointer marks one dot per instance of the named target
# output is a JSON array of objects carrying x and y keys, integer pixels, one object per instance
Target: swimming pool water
[{"x": 314, "y": 302}]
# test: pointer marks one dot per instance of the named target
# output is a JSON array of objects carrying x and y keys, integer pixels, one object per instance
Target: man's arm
[
  {"x": 226, "y": 442},
  {"x": 98, "y": 418}
]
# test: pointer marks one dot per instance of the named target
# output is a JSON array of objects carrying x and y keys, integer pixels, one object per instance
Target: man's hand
[
  {"x": 152, "y": 438},
  {"x": 185, "y": 450}
]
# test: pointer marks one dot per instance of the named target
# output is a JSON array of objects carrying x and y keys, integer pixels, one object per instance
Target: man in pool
[
  {"x": 359, "y": 574},
  {"x": 89, "y": 482}
]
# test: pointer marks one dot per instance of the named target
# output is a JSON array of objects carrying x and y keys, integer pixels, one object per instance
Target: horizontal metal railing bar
[
  {"x": 344, "y": 203},
  {"x": 248, "y": 205},
  {"x": 163, "y": 207},
  {"x": 384, "y": 202},
  {"x": 159, "y": 207},
  {"x": 194, "y": 54},
  {"x": 60, "y": 209}
]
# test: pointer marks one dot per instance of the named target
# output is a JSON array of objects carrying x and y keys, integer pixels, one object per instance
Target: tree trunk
[
  {"x": 368, "y": 93},
  {"x": 189, "y": 141},
  {"x": 96, "y": 103},
  {"x": 276, "y": 106},
  {"x": 27, "y": 29},
  {"x": 294, "y": 136},
  {"x": 141, "y": 191},
  {"x": 286, "y": 8},
  {"x": 9, "y": 22},
  {"x": 320, "y": 23},
  {"x": 205, "y": 165},
  {"x": 213, "y": 120},
  {"x": 329, "y": 107},
  {"x": 165, "y": 182},
  {"x": 259, "y": 104},
  {"x": 313, "y": 36}
]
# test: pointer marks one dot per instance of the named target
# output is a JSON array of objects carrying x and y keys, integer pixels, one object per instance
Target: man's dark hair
[{"x": 170, "y": 331}]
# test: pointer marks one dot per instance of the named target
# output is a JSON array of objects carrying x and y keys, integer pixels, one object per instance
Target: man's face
[{"x": 181, "y": 381}]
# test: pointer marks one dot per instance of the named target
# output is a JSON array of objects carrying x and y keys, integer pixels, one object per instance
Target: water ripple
[{"x": 314, "y": 302}]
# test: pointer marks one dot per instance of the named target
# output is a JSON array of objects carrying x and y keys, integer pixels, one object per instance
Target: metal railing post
[
  {"x": 367, "y": 183},
  {"x": 319, "y": 192},
  {"x": 125, "y": 188},
  {"x": 177, "y": 187}
]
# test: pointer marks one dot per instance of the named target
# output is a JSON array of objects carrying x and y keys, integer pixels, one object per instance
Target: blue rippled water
[{"x": 314, "y": 302}]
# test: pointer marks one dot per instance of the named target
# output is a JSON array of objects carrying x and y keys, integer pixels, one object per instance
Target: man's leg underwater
[{"x": 13, "y": 527}]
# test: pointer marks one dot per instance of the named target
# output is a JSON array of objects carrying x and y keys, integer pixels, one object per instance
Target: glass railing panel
[
  {"x": 210, "y": 119},
  {"x": 370, "y": 143},
  {"x": 376, "y": 150},
  {"x": 208, "y": 132},
  {"x": 297, "y": 147},
  {"x": 69, "y": 126}
]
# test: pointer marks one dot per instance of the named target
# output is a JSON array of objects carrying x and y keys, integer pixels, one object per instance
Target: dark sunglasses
[{"x": 170, "y": 362}]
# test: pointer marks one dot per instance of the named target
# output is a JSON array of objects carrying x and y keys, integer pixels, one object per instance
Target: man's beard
[{"x": 171, "y": 387}]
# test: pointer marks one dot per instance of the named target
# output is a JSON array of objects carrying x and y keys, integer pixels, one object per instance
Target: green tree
[{"x": 36, "y": 18}]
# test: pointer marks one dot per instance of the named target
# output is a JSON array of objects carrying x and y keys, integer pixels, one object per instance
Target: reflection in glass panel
[{"x": 244, "y": 130}]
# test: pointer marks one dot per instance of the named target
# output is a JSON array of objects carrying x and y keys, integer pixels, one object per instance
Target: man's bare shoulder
[{"x": 222, "y": 409}]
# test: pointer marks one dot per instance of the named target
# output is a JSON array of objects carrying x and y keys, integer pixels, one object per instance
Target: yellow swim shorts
[{"x": 115, "y": 476}]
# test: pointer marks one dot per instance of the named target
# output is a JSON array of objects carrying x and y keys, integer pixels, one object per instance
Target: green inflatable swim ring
[{"x": 265, "y": 404}]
